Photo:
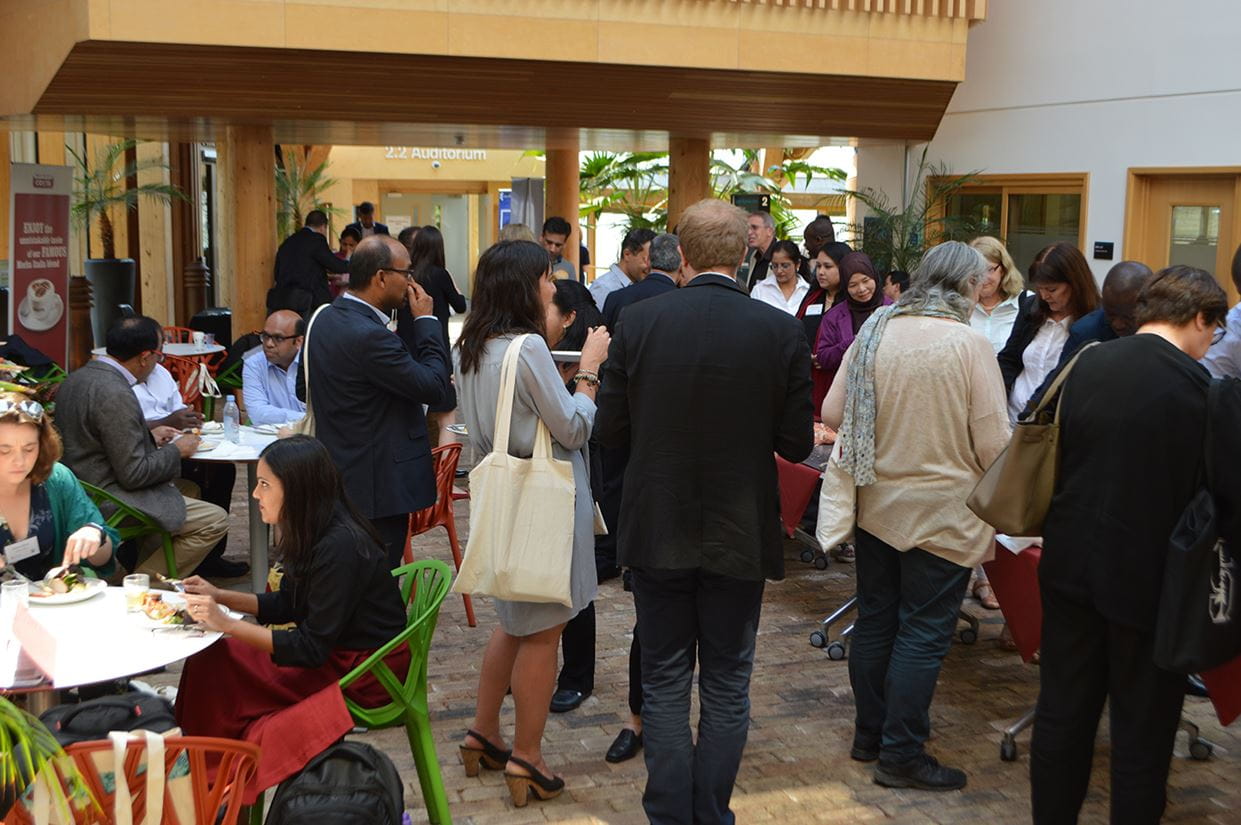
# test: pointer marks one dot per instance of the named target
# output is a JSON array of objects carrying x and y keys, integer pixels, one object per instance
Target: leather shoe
[
  {"x": 222, "y": 569},
  {"x": 923, "y": 772},
  {"x": 625, "y": 746},
  {"x": 564, "y": 701},
  {"x": 863, "y": 751}
]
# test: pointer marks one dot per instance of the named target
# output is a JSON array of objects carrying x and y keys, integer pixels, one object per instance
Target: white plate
[
  {"x": 265, "y": 429},
  {"x": 212, "y": 427},
  {"x": 93, "y": 588}
]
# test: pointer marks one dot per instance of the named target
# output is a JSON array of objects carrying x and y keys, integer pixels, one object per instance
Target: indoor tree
[{"x": 300, "y": 188}]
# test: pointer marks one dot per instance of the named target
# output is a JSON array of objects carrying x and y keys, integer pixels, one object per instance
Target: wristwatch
[{"x": 103, "y": 534}]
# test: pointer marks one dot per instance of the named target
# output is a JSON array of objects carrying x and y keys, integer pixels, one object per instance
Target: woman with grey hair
[{"x": 915, "y": 366}]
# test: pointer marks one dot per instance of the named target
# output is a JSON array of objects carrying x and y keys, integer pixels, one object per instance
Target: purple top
[{"x": 835, "y": 336}]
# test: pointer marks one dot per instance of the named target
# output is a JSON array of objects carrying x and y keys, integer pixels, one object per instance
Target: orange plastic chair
[
  {"x": 439, "y": 514},
  {"x": 185, "y": 373},
  {"x": 216, "y": 799},
  {"x": 178, "y": 335}
]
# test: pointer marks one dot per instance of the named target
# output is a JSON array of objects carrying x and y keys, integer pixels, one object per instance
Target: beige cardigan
[{"x": 941, "y": 419}]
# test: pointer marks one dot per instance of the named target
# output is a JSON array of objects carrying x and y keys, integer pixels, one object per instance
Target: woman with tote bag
[{"x": 502, "y": 345}]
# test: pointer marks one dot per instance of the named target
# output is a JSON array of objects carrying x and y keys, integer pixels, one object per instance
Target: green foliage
[
  {"x": 298, "y": 191},
  {"x": 104, "y": 184},
  {"x": 895, "y": 236},
  {"x": 29, "y": 753},
  {"x": 632, "y": 183},
  {"x": 728, "y": 180}
]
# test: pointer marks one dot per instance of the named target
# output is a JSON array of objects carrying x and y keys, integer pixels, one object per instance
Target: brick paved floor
[{"x": 796, "y": 767}]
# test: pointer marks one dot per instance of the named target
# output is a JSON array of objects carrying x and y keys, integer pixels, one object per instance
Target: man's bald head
[
  {"x": 1120, "y": 294},
  {"x": 282, "y": 337}
]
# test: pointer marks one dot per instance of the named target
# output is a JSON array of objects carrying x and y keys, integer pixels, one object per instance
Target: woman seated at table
[
  {"x": 276, "y": 687},
  {"x": 46, "y": 519}
]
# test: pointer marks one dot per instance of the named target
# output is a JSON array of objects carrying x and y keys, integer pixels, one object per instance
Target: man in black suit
[
  {"x": 301, "y": 262},
  {"x": 664, "y": 277},
  {"x": 702, "y": 408},
  {"x": 367, "y": 390},
  {"x": 366, "y": 225}
]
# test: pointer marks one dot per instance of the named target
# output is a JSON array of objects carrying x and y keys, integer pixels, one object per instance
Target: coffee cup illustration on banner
[{"x": 42, "y": 308}]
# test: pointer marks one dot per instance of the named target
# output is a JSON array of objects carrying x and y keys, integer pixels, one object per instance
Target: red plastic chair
[
  {"x": 439, "y": 514},
  {"x": 220, "y": 769},
  {"x": 178, "y": 335},
  {"x": 185, "y": 373}
]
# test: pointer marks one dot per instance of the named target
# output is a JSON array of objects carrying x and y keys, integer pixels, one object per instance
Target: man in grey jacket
[{"x": 108, "y": 444}]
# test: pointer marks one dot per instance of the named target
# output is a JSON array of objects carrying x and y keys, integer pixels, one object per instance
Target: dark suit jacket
[
  {"x": 301, "y": 262},
  {"x": 1131, "y": 447},
  {"x": 108, "y": 443},
  {"x": 380, "y": 228},
  {"x": 1024, "y": 330},
  {"x": 656, "y": 283},
  {"x": 367, "y": 392},
  {"x": 1092, "y": 326},
  {"x": 703, "y": 409}
]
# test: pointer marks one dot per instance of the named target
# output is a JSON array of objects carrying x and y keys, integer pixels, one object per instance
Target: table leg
[{"x": 258, "y": 533}]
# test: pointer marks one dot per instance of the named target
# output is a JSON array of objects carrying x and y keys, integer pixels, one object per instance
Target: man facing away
[
  {"x": 301, "y": 263},
  {"x": 702, "y": 409},
  {"x": 367, "y": 391},
  {"x": 634, "y": 264},
  {"x": 269, "y": 376},
  {"x": 108, "y": 444}
]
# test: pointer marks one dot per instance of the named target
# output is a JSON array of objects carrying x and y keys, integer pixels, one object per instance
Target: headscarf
[
  {"x": 854, "y": 263},
  {"x": 817, "y": 294}
]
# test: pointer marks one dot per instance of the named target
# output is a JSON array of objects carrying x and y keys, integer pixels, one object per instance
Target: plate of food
[
  {"x": 206, "y": 446},
  {"x": 65, "y": 585},
  {"x": 162, "y": 609},
  {"x": 212, "y": 427}
]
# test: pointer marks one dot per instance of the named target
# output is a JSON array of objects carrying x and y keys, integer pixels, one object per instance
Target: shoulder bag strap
[
  {"x": 306, "y": 352},
  {"x": 508, "y": 390}
]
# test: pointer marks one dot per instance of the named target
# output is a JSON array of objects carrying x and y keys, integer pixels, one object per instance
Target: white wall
[{"x": 1094, "y": 86}]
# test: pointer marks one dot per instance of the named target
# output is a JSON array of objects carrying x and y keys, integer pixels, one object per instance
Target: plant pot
[{"x": 112, "y": 282}]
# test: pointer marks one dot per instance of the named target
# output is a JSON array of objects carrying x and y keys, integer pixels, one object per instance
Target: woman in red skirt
[{"x": 278, "y": 688}]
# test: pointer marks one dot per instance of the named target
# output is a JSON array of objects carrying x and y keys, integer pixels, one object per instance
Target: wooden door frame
[
  {"x": 1028, "y": 183},
  {"x": 1137, "y": 199}
]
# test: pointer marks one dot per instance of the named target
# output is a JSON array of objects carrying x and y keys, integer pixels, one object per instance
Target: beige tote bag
[
  {"x": 306, "y": 424},
  {"x": 1014, "y": 494},
  {"x": 521, "y": 513},
  {"x": 837, "y": 504}
]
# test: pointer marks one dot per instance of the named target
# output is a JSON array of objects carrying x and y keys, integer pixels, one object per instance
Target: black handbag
[
  {"x": 1198, "y": 626},
  {"x": 96, "y": 718}
]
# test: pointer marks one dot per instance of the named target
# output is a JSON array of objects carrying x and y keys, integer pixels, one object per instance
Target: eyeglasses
[
  {"x": 31, "y": 409},
  {"x": 269, "y": 338},
  {"x": 159, "y": 355},
  {"x": 408, "y": 273},
  {"x": 782, "y": 265},
  {"x": 1218, "y": 336}
]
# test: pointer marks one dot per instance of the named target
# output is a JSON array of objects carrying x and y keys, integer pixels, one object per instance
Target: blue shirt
[
  {"x": 1223, "y": 360},
  {"x": 270, "y": 393},
  {"x": 607, "y": 283}
]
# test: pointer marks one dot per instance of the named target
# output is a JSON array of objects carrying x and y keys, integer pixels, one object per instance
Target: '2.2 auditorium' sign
[{"x": 422, "y": 153}]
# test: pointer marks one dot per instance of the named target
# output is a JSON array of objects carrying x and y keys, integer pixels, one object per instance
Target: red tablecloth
[{"x": 797, "y": 482}]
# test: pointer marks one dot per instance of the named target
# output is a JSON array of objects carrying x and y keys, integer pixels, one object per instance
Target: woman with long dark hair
[
  {"x": 824, "y": 294},
  {"x": 863, "y": 294},
  {"x": 267, "y": 685},
  {"x": 512, "y": 289},
  {"x": 426, "y": 262}
]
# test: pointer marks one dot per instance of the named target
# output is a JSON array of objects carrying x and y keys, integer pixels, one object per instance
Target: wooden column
[
  {"x": 155, "y": 282},
  {"x": 561, "y": 189},
  {"x": 191, "y": 280},
  {"x": 247, "y": 212},
  {"x": 689, "y": 170}
]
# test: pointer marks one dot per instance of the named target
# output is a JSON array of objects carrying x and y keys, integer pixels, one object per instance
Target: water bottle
[{"x": 232, "y": 420}]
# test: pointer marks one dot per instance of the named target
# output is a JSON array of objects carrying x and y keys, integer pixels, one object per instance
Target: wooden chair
[
  {"x": 440, "y": 514},
  {"x": 178, "y": 335},
  {"x": 423, "y": 588},
  {"x": 216, "y": 795},
  {"x": 132, "y": 523},
  {"x": 185, "y": 373}
]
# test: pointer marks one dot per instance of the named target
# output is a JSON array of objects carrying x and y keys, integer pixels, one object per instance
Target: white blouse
[
  {"x": 1039, "y": 359},
  {"x": 768, "y": 291},
  {"x": 997, "y": 324}
]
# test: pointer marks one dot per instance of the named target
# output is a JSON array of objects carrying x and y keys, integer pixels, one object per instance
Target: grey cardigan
[{"x": 108, "y": 443}]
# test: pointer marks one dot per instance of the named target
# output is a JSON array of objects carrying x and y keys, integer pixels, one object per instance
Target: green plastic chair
[
  {"x": 132, "y": 523},
  {"x": 423, "y": 588}
]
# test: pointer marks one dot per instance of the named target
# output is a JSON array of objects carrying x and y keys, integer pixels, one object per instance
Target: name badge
[
  {"x": 21, "y": 550},
  {"x": 814, "y": 309}
]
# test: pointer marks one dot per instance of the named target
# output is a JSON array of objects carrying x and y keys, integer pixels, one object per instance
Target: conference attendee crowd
[{"x": 667, "y": 386}]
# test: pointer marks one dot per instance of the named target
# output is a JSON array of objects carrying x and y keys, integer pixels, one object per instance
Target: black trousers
[
  {"x": 392, "y": 530},
  {"x": 687, "y": 617},
  {"x": 215, "y": 480},
  {"x": 1086, "y": 659},
  {"x": 578, "y": 644},
  {"x": 635, "y": 674}
]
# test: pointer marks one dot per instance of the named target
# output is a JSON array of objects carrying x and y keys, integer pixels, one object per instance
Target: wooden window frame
[{"x": 1053, "y": 183}]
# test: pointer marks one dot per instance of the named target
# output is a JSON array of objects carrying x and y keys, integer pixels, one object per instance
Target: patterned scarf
[{"x": 857, "y": 431}]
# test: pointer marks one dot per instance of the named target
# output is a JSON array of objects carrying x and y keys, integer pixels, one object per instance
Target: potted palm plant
[
  {"x": 29, "y": 753},
  {"x": 98, "y": 187}
]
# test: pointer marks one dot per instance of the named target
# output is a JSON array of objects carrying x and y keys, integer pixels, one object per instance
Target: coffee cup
[
  {"x": 40, "y": 292},
  {"x": 199, "y": 339}
]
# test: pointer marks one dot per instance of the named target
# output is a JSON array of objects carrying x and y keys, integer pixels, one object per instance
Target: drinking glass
[
  {"x": 135, "y": 586},
  {"x": 12, "y": 594}
]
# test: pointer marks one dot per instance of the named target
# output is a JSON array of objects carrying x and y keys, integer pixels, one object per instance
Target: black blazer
[
  {"x": 703, "y": 409},
  {"x": 1131, "y": 428},
  {"x": 443, "y": 291},
  {"x": 367, "y": 392},
  {"x": 1024, "y": 330},
  {"x": 656, "y": 283},
  {"x": 380, "y": 228},
  {"x": 300, "y": 265}
]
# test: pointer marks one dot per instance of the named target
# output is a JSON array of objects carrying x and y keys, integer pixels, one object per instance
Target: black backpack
[
  {"x": 350, "y": 783},
  {"x": 95, "y": 718}
]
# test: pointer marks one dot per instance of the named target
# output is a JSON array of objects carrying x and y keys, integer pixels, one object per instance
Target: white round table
[
  {"x": 97, "y": 641},
  {"x": 181, "y": 350},
  {"x": 247, "y": 453}
]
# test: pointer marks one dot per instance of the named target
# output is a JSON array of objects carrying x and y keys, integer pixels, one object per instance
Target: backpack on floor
[
  {"x": 96, "y": 718},
  {"x": 350, "y": 783}
]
